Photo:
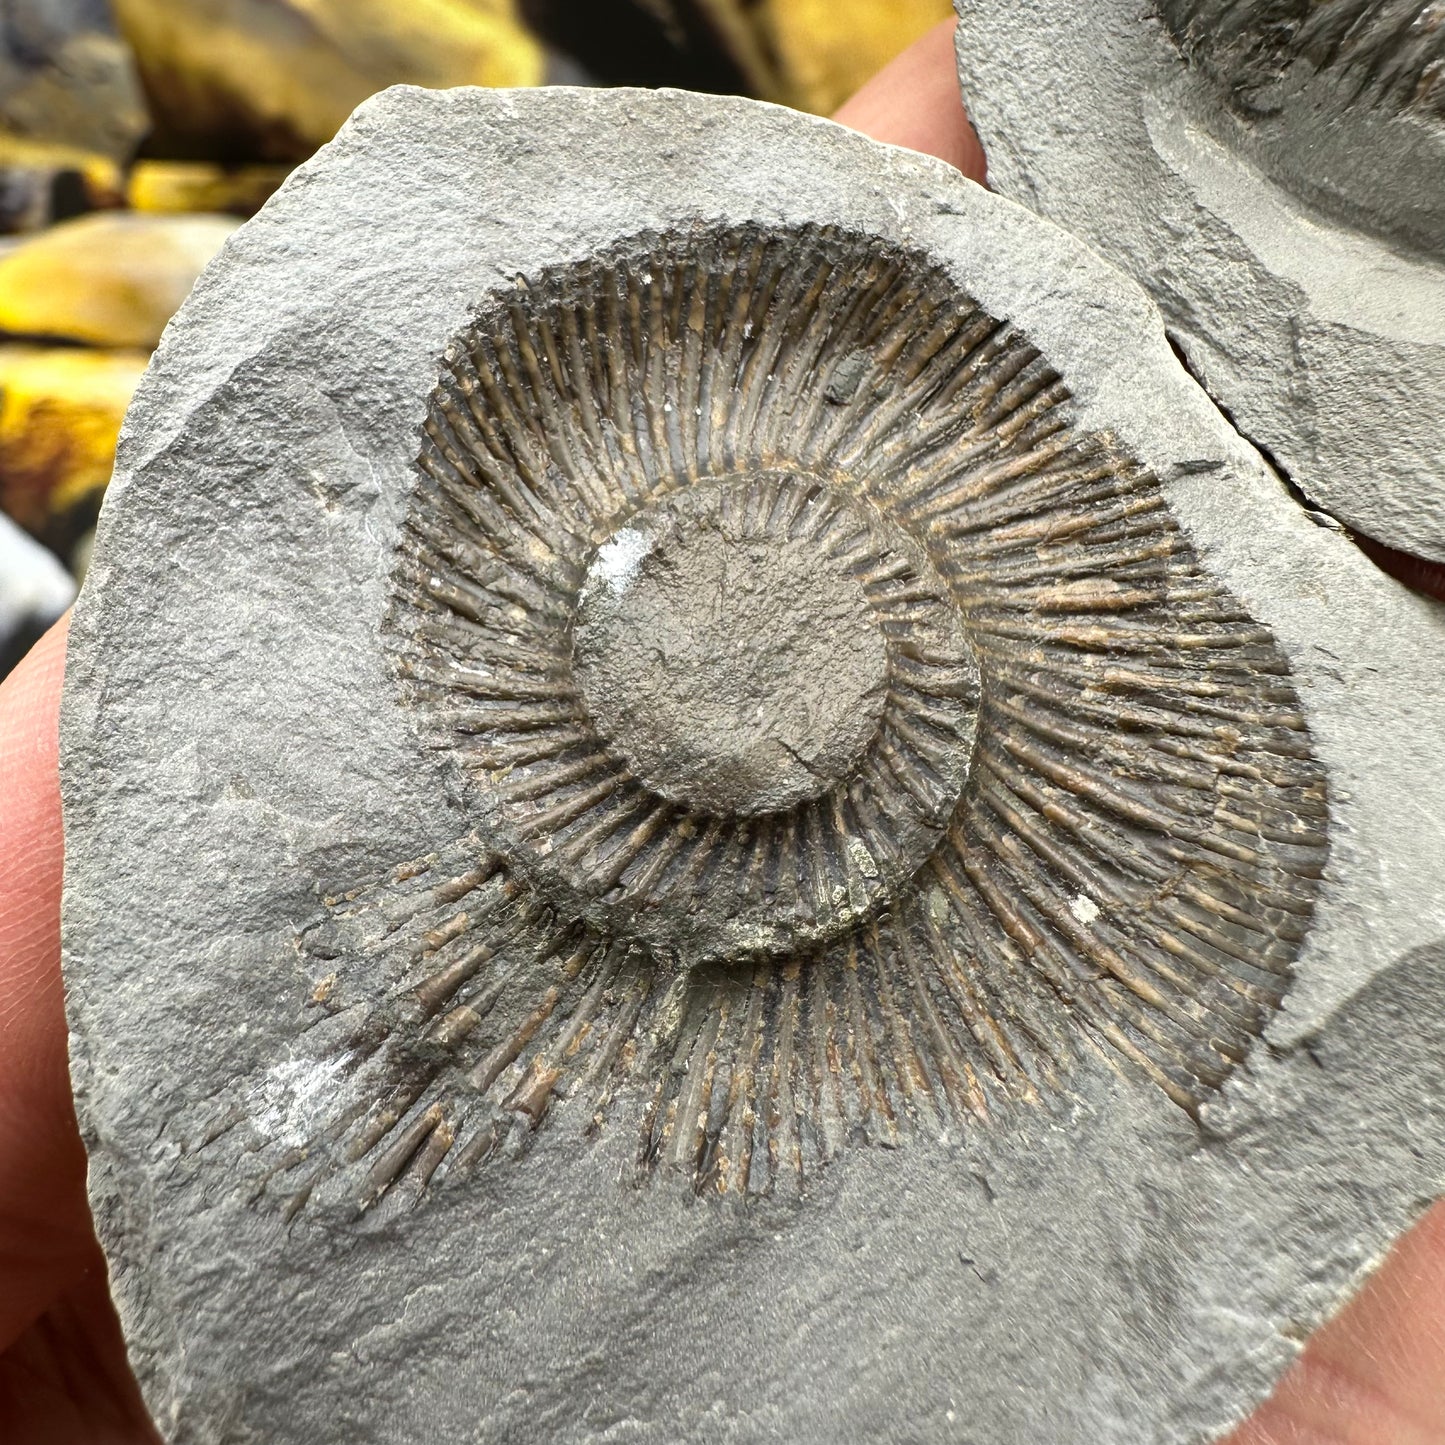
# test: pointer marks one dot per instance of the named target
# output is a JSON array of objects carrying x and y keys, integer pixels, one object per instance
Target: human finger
[
  {"x": 66, "y": 1380},
  {"x": 914, "y": 101},
  {"x": 45, "y": 1232},
  {"x": 1375, "y": 1375}
]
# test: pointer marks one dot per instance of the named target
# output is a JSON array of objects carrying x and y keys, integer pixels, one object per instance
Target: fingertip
[
  {"x": 31, "y": 839},
  {"x": 1376, "y": 1372},
  {"x": 914, "y": 101},
  {"x": 44, "y": 1220}
]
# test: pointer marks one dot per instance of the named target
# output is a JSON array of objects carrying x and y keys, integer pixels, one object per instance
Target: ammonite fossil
[
  {"x": 736, "y": 813},
  {"x": 851, "y": 737}
]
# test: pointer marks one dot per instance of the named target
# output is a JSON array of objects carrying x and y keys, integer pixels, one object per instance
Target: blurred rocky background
[{"x": 136, "y": 134}]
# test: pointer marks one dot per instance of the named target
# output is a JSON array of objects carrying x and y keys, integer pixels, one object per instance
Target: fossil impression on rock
[
  {"x": 1378, "y": 53},
  {"x": 852, "y": 738},
  {"x": 1273, "y": 171},
  {"x": 736, "y": 813},
  {"x": 1342, "y": 101}
]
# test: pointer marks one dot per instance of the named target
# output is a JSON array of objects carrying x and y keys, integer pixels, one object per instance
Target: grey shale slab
[
  {"x": 1000, "y": 1005},
  {"x": 1273, "y": 172}
]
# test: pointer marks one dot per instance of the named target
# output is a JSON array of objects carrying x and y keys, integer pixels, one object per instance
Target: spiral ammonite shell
[{"x": 852, "y": 743}]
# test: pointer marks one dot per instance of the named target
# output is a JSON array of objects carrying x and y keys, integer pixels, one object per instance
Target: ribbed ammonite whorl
[{"x": 851, "y": 743}]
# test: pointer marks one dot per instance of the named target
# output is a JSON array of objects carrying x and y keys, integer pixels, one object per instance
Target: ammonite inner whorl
[{"x": 852, "y": 743}]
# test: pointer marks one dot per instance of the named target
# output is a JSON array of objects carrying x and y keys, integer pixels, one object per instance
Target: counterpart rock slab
[
  {"x": 1273, "y": 171},
  {"x": 736, "y": 813}
]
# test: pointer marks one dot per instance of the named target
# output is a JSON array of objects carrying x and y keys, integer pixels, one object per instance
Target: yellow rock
[
  {"x": 814, "y": 54},
  {"x": 112, "y": 279},
  {"x": 60, "y": 411},
  {"x": 170, "y": 187},
  {"x": 274, "y": 79}
]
